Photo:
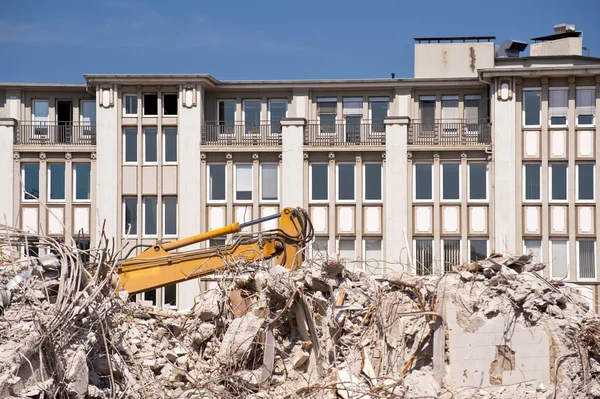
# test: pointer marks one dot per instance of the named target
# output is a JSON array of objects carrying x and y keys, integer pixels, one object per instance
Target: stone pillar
[
  {"x": 7, "y": 130},
  {"x": 292, "y": 150},
  {"x": 396, "y": 193}
]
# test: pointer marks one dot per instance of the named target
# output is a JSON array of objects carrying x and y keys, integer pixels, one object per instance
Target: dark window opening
[
  {"x": 170, "y": 104},
  {"x": 150, "y": 104}
]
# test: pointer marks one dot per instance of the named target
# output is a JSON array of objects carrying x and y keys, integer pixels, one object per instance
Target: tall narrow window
[
  {"x": 320, "y": 246},
  {"x": 471, "y": 115},
  {"x": 277, "y": 111},
  {"x": 130, "y": 145},
  {"x": 252, "y": 116},
  {"x": 372, "y": 179},
  {"x": 478, "y": 249},
  {"x": 216, "y": 182},
  {"x": 170, "y": 295},
  {"x": 558, "y": 106},
  {"x": 226, "y": 115},
  {"x": 319, "y": 178},
  {"x": 40, "y": 111},
  {"x": 378, "y": 106},
  {"x": 559, "y": 258},
  {"x": 423, "y": 181},
  {"x": 130, "y": 215},
  {"x": 327, "y": 110},
  {"x": 150, "y": 143},
  {"x": 585, "y": 182},
  {"x": 534, "y": 247},
  {"x": 170, "y": 145},
  {"x": 585, "y": 104},
  {"x": 31, "y": 181},
  {"x": 150, "y": 219},
  {"x": 586, "y": 258},
  {"x": 346, "y": 248},
  {"x": 531, "y": 181},
  {"x": 169, "y": 104},
  {"x": 450, "y": 118},
  {"x": 424, "y": 256},
  {"x": 373, "y": 259},
  {"x": 150, "y": 296},
  {"x": 130, "y": 105},
  {"x": 532, "y": 106},
  {"x": 478, "y": 181},
  {"x": 243, "y": 182},
  {"x": 345, "y": 186},
  {"x": 451, "y": 181},
  {"x": 558, "y": 180},
  {"x": 170, "y": 216},
  {"x": 353, "y": 112},
  {"x": 427, "y": 106},
  {"x": 269, "y": 182},
  {"x": 451, "y": 254},
  {"x": 88, "y": 116},
  {"x": 82, "y": 181},
  {"x": 56, "y": 181},
  {"x": 150, "y": 104}
]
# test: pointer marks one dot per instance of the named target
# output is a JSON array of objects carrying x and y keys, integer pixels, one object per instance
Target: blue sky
[{"x": 60, "y": 40}]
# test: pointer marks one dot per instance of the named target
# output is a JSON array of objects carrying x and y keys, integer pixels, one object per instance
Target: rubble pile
[{"x": 263, "y": 331}]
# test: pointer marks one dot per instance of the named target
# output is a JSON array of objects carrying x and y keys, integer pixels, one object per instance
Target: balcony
[
  {"x": 263, "y": 134},
  {"x": 444, "y": 133},
  {"x": 343, "y": 134},
  {"x": 53, "y": 133}
]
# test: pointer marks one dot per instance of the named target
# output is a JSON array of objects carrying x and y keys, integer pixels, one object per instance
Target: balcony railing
[
  {"x": 450, "y": 133},
  {"x": 266, "y": 134},
  {"x": 344, "y": 134},
  {"x": 55, "y": 133}
]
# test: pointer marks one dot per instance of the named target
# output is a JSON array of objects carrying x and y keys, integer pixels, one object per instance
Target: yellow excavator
[{"x": 161, "y": 264}]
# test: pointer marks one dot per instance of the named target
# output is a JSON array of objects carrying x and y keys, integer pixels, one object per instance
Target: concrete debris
[{"x": 490, "y": 329}]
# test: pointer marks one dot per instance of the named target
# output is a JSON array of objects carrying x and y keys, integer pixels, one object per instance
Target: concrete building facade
[{"x": 482, "y": 151}]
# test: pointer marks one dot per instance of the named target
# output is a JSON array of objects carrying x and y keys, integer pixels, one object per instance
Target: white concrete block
[
  {"x": 319, "y": 218},
  {"x": 478, "y": 219},
  {"x": 81, "y": 220},
  {"x": 585, "y": 214},
  {"x": 585, "y": 143},
  {"x": 56, "y": 218},
  {"x": 558, "y": 218},
  {"x": 558, "y": 144},
  {"x": 423, "y": 219},
  {"x": 216, "y": 217},
  {"x": 532, "y": 144},
  {"x": 29, "y": 219},
  {"x": 345, "y": 219},
  {"x": 266, "y": 211},
  {"x": 372, "y": 221},
  {"x": 450, "y": 219}
]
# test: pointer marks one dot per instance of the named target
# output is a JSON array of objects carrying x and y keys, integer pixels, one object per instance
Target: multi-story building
[{"x": 482, "y": 151}]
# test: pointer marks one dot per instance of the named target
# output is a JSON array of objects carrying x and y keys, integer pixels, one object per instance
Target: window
[
  {"x": 451, "y": 254},
  {"x": 345, "y": 186},
  {"x": 269, "y": 189},
  {"x": 327, "y": 110},
  {"x": 169, "y": 104},
  {"x": 31, "y": 181},
  {"x": 471, "y": 111},
  {"x": 531, "y": 182},
  {"x": 150, "y": 104},
  {"x": 478, "y": 249},
  {"x": 559, "y": 258},
  {"x": 372, "y": 183},
  {"x": 558, "y": 106},
  {"x": 319, "y": 186},
  {"x": 88, "y": 115},
  {"x": 130, "y": 105},
  {"x": 170, "y": 295},
  {"x": 56, "y": 181},
  {"x": 150, "y": 219},
  {"x": 130, "y": 216},
  {"x": 216, "y": 242},
  {"x": 82, "y": 181},
  {"x": 170, "y": 145},
  {"x": 216, "y": 182},
  {"x": 150, "y": 144},
  {"x": 558, "y": 182},
  {"x": 150, "y": 296},
  {"x": 427, "y": 107},
  {"x": 477, "y": 181},
  {"x": 39, "y": 109},
  {"x": 450, "y": 115},
  {"x": 378, "y": 106},
  {"x": 535, "y": 248},
  {"x": 423, "y": 181},
  {"x": 226, "y": 113},
  {"x": 585, "y": 182},
  {"x": 424, "y": 256},
  {"x": 277, "y": 111},
  {"x": 252, "y": 116},
  {"x": 585, "y": 105},
  {"x": 170, "y": 216},
  {"x": 373, "y": 259},
  {"x": 243, "y": 182},
  {"x": 320, "y": 246},
  {"x": 451, "y": 181},
  {"x": 83, "y": 244},
  {"x": 586, "y": 259},
  {"x": 346, "y": 249},
  {"x": 532, "y": 108},
  {"x": 130, "y": 145},
  {"x": 353, "y": 112}
]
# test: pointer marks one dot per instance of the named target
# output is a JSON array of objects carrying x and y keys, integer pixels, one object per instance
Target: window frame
[
  {"x": 244, "y": 101},
  {"x": 310, "y": 185},
  {"x": 137, "y": 106},
  {"x": 332, "y": 100},
  {"x": 551, "y": 260},
  {"x": 144, "y": 105},
  {"x": 541, "y": 241},
  {"x": 577, "y": 124},
  {"x": 530, "y": 89},
  {"x": 372, "y": 100},
  {"x": 49, "y": 183},
  {"x": 163, "y": 296},
  {"x": 459, "y": 199},
  {"x": 524, "y": 181},
  {"x": 208, "y": 188},
  {"x": 137, "y": 133},
  {"x": 487, "y": 182},
  {"x": 23, "y": 179},
  {"x": 144, "y": 161},
  {"x": 164, "y": 214},
  {"x": 163, "y": 105},
  {"x": 124, "y": 219},
  {"x": 313, "y": 252},
  {"x": 235, "y": 191},
  {"x": 144, "y": 234},
  {"x": 380, "y": 262},
  {"x": 577, "y": 250},
  {"x": 585, "y": 201},
  {"x": 414, "y": 262},
  {"x": 415, "y": 183},
  {"x": 276, "y": 100},
  {"x": 75, "y": 200},
  {"x": 337, "y": 185},
  {"x": 218, "y": 121},
  {"x": 349, "y": 239},
  {"x": 487, "y": 246},
  {"x": 260, "y": 178},
  {"x": 460, "y": 253},
  {"x": 86, "y": 126},
  {"x": 364, "y": 182},
  {"x": 550, "y": 184},
  {"x": 550, "y": 124},
  {"x": 164, "y": 145}
]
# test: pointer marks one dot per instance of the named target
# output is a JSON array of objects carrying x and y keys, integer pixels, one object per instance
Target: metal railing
[
  {"x": 458, "y": 133},
  {"x": 344, "y": 134},
  {"x": 215, "y": 133},
  {"x": 54, "y": 133}
]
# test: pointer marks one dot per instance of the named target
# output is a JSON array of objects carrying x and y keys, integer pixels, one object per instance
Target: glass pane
[
  {"x": 532, "y": 108},
  {"x": 319, "y": 179},
  {"x": 131, "y": 105},
  {"x": 587, "y": 260},
  {"x": 130, "y": 145},
  {"x": 320, "y": 245},
  {"x": 269, "y": 182},
  {"x": 559, "y": 181},
  {"x": 560, "y": 259},
  {"x": 32, "y": 180},
  {"x": 451, "y": 177},
  {"x": 424, "y": 256},
  {"x": 130, "y": 218},
  {"x": 585, "y": 119},
  {"x": 428, "y": 112},
  {"x": 327, "y": 123},
  {"x": 150, "y": 104},
  {"x": 82, "y": 181},
  {"x": 170, "y": 137},
  {"x": 57, "y": 181},
  {"x": 217, "y": 182},
  {"x": 278, "y": 110},
  {"x": 472, "y": 110},
  {"x": 170, "y": 104},
  {"x": 532, "y": 181},
  {"x": 535, "y": 248},
  {"x": 150, "y": 296},
  {"x": 40, "y": 110},
  {"x": 373, "y": 181},
  {"x": 451, "y": 254},
  {"x": 347, "y": 250},
  {"x": 423, "y": 181},
  {"x": 150, "y": 215},
  {"x": 170, "y": 295},
  {"x": 150, "y": 136},
  {"x": 478, "y": 250},
  {"x": 243, "y": 182},
  {"x": 346, "y": 182},
  {"x": 373, "y": 258},
  {"x": 477, "y": 181},
  {"x": 252, "y": 112},
  {"x": 226, "y": 112},
  {"x": 88, "y": 111},
  {"x": 585, "y": 181},
  {"x": 170, "y": 216},
  {"x": 379, "y": 110}
]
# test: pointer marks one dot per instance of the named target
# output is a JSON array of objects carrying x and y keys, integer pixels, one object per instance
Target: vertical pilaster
[
  {"x": 7, "y": 130},
  {"x": 571, "y": 179},
  {"x": 436, "y": 219},
  {"x": 292, "y": 162}
]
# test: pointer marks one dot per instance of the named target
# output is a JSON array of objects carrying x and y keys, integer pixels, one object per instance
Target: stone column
[
  {"x": 292, "y": 150},
  {"x": 7, "y": 130}
]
